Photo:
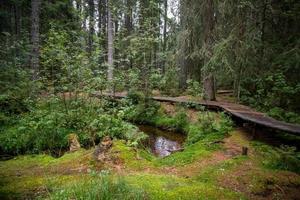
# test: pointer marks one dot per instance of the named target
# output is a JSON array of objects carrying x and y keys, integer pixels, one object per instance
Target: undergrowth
[
  {"x": 283, "y": 158},
  {"x": 99, "y": 186}
]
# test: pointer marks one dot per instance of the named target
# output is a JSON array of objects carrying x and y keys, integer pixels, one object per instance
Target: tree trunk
[
  {"x": 35, "y": 37},
  {"x": 209, "y": 88},
  {"x": 91, "y": 26},
  {"x": 110, "y": 48},
  {"x": 165, "y": 25},
  {"x": 182, "y": 61},
  {"x": 165, "y": 33},
  {"x": 209, "y": 25},
  {"x": 100, "y": 14},
  {"x": 128, "y": 17}
]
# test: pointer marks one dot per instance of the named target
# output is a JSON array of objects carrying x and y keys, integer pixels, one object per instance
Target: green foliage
[
  {"x": 99, "y": 186},
  {"x": 156, "y": 79},
  {"x": 47, "y": 126},
  {"x": 177, "y": 123},
  {"x": 17, "y": 93},
  {"x": 194, "y": 88},
  {"x": 170, "y": 81},
  {"x": 283, "y": 115},
  {"x": 283, "y": 158},
  {"x": 207, "y": 126},
  {"x": 138, "y": 108},
  {"x": 273, "y": 90}
]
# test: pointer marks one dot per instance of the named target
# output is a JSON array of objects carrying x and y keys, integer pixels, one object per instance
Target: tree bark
[
  {"x": 209, "y": 88},
  {"x": 35, "y": 37},
  {"x": 165, "y": 25},
  {"x": 209, "y": 25},
  {"x": 110, "y": 47},
  {"x": 128, "y": 17},
  {"x": 182, "y": 60},
  {"x": 91, "y": 26}
]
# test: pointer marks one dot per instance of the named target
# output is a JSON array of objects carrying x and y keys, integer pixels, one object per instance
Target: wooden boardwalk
[{"x": 242, "y": 112}]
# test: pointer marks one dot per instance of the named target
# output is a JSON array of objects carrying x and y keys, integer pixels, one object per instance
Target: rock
[
  {"x": 102, "y": 149},
  {"x": 73, "y": 142}
]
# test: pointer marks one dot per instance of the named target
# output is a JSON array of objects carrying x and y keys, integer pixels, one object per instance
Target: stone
[
  {"x": 102, "y": 149},
  {"x": 73, "y": 142}
]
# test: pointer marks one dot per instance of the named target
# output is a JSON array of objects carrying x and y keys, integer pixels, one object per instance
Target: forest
[{"x": 150, "y": 99}]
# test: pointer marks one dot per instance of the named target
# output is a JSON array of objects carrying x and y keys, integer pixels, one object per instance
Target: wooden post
[
  {"x": 244, "y": 151},
  {"x": 254, "y": 134}
]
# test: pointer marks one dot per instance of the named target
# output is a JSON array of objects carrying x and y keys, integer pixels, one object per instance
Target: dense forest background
[
  {"x": 249, "y": 46},
  {"x": 66, "y": 48}
]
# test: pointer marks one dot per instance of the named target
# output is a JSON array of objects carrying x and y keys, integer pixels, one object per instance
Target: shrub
[
  {"x": 194, "y": 88},
  {"x": 139, "y": 109},
  {"x": 46, "y": 128},
  {"x": 283, "y": 115},
  {"x": 283, "y": 158},
  {"x": 207, "y": 126}
]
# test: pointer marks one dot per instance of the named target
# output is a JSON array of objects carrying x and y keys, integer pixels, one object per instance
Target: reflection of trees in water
[
  {"x": 164, "y": 147},
  {"x": 162, "y": 143}
]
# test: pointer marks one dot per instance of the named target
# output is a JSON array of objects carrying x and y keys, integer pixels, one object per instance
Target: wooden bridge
[{"x": 241, "y": 112}]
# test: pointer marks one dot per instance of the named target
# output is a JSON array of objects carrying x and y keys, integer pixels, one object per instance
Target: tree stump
[
  {"x": 100, "y": 153},
  {"x": 73, "y": 142}
]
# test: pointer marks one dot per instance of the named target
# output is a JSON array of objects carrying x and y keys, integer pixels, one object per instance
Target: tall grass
[{"x": 99, "y": 187}]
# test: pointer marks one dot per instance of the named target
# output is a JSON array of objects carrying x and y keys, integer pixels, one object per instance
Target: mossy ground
[{"x": 199, "y": 172}]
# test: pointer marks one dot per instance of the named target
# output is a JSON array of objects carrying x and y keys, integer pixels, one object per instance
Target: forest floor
[{"x": 195, "y": 173}]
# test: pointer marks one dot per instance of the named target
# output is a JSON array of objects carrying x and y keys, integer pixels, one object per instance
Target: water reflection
[{"x": 162, "y": 143}]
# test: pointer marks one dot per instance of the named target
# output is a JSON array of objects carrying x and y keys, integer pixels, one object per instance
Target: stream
[{"x": 161, "y": 142}]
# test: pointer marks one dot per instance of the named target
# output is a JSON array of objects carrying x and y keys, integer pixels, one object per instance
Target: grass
[
  {"x": 192, "y": 174},
  {"x": 99, "y": 186},
  {"x": 144, "y": 176},
  {"x": 172, "y": 187}
]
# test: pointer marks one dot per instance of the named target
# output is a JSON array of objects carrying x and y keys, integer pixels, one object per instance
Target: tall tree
[
  {"x": 110, "y": 46},
  {"x": 182, "y": 45},
  {"x": 209, "y": 25},
  {"x": 91, "y": 26},
  {"x": 128, "y": 17},
  {"x": 35, "y": 36},
  {"x": 165, "y": 25}
]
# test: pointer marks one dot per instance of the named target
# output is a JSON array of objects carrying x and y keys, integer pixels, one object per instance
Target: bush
[
  {"x": 177, "y": 123},
  {"x": 156, "y": 80},
  {"x": 283, "y": 158},
  {"x": 194, "y": 88},
  {"x": 16, "y": 93},
  {"x": 139, "y": 109},
  {"x": 207, "y": 126},
  {"x": 283, "y": 115},
  {"x": 46, "y": 128}
]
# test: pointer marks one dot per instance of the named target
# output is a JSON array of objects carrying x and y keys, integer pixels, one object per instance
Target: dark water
[{"x": 162, "y": 143}]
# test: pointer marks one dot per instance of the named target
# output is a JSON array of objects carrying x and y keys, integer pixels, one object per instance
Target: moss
[
  {"x": 33, "y": 186},
  {"x": 133, "y": 159},
  {"x": 212, "y": 173},
  {"x": 26, "y": 163},
  {"x": 265, "y": 180},
  {"x": 190, "y": 154},
  {"x": 172, "y": 187}
]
